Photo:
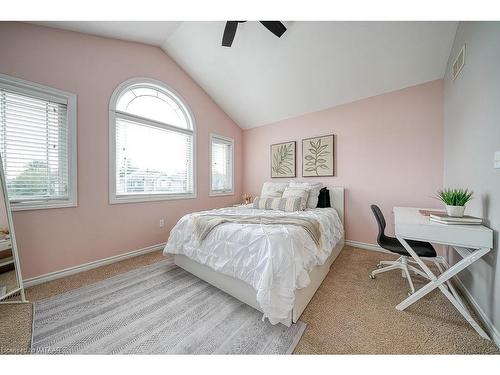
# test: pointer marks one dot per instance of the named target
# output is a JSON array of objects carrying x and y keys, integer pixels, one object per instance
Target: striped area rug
[{"x": 157, "y": 309}]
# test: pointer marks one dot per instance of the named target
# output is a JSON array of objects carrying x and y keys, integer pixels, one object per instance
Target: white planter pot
[{"x": 455, "y": 211}]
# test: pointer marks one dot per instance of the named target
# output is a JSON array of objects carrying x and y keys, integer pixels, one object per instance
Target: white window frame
[
  {"x": 213, "y": 193},
  {"x": 124, "y": 86},
  {"x": 44, "y": 92}
]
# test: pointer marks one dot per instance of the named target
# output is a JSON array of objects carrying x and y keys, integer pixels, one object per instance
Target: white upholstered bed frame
[{"x": 247, "y": 294}]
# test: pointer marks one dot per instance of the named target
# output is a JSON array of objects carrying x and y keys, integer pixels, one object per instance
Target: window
[
  {"x": 152, "y": 143},
  {"x": 38, "y": 144},
  {"x": 221, "y": 165}
]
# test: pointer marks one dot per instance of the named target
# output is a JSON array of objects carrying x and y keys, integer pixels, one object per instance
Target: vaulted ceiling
[{"x": 314, "y": 65}]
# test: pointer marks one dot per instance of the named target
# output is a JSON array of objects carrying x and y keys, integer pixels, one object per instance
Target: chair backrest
[{"x": 379, "y": 216}]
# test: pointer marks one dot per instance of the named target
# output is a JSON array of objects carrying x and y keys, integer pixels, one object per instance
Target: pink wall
[
  {"x": 389, "y": 151},
  {"x": 388, "y": 148},
  {"x": 92, "y": 67}
]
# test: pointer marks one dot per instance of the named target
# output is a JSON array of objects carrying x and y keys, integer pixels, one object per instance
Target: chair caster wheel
[
  {"x": 379, "y": 266},
  {"x": 410, "y": 293},
  {"x": 371, "y": 276}
]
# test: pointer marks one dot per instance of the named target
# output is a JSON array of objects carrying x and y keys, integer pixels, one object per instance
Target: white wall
[{"x": 472, "y": 134}]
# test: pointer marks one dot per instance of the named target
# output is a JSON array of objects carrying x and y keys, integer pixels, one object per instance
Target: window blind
[
  {"x": 222, "y": 165},
  {"x": 34, "y": 147},
  {"x": 152, "y": 160}
]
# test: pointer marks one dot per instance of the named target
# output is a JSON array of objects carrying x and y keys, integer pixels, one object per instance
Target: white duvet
[{"x": 274, "y": 259}]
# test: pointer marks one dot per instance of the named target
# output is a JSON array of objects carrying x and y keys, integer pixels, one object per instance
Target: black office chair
[{"x": 423, "y": 249}]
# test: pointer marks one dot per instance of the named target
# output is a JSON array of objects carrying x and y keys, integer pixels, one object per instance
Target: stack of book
[{"x": 443, "y": 218}]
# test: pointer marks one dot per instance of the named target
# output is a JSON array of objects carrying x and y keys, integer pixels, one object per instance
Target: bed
[{"x": 275, "y": 269}]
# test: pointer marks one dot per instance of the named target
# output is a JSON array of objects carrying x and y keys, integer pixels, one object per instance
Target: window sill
[
  {"x": 221, "y": 194},
  {"x": 149, "y": 198},
  {"x": 42, "y": 205}
]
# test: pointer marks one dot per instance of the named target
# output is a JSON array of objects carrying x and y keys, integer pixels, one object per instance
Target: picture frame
[
  {"x": 283, "y": 159},
  {"x": 318, "y": 156}
]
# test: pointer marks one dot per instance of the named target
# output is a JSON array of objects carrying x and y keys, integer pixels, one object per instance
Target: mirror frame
[{"x": 15, "y": 255}]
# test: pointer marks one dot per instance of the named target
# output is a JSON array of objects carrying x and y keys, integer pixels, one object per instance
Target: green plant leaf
[
  {"x": 282, "y": 159},
  {"x": 316, "y": 160},
  {"x": 454, "y": 197}
]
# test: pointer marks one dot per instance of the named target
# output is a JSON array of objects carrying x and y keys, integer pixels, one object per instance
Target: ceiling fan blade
[
  {"x": 229, "y": 32},
  {"x": 276, "y": 27}
]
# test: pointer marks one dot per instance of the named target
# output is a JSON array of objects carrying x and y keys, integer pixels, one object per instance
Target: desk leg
[
  {"x": 419, "y": 261},
  {"x": 465, "y": 313},
  {"x": 449, "y": 284},
  {"x": 444, "y": 277},
  {"x": 438, "y": 283}
]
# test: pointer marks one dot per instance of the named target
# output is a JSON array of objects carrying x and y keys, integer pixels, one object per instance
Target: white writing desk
[{"x": 470, "y": 241}]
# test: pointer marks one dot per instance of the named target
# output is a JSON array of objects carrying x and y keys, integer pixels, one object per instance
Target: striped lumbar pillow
[
  {"x": 283, "y": 204},
  {"x": 296, "y": 192}
]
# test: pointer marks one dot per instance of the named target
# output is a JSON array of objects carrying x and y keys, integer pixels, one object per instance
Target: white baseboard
[
  {"x": 366, "y": 246},
  {"x": 487, "y": 323},
  {"x": 88, "y": 266}
]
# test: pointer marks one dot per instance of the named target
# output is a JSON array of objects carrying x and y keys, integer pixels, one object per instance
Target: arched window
[{"x": 152, "y": 143}]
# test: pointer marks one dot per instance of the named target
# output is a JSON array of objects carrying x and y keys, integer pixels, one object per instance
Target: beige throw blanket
[{"x": 204, "y": 224}]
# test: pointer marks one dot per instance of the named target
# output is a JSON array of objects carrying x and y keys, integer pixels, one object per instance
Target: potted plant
[{"x": 455, "y": 200}]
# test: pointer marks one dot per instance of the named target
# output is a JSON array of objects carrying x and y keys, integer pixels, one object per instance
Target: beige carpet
[{"x": 350, "y": 313}]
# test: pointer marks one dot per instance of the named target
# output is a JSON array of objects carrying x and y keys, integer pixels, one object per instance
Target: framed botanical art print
[
  {"x": 317, "y": 156},
  {"x": 283, "y": 160}
]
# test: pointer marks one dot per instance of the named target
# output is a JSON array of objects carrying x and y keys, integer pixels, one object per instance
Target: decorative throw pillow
[
  {"x": 313, "y": 188},
  {"x": 294, "y": 192},
  {"x": 324, "y": 198},
  {"x": 283, "y": 204},
  {"x": 273, "y": 189}
]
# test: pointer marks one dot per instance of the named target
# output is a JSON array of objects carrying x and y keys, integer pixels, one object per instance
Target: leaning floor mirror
[{"x": 11, "y": 282}]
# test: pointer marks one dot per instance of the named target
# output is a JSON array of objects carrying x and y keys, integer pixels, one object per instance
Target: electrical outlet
[
  {"x": 497, "y": 160},
  {"x": 162, "y": 223}
]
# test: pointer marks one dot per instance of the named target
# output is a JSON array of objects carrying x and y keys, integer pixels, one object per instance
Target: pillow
[
  {"x": 283, "y": 204},
  {"x": 313, "y": 188},
  {"x": 324, "y": 198},
  {"x": 273, "y": 189},
  {"x": 294, "y": 192}
]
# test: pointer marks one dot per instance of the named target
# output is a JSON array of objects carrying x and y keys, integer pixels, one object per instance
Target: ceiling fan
[{"x": 276, "y": 27}]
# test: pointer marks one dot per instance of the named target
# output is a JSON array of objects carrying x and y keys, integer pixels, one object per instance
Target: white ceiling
[{"x": 314, "y": 65}]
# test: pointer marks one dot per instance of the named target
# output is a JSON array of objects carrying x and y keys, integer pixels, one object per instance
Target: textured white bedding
[{"x": 274, "y": 259}]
